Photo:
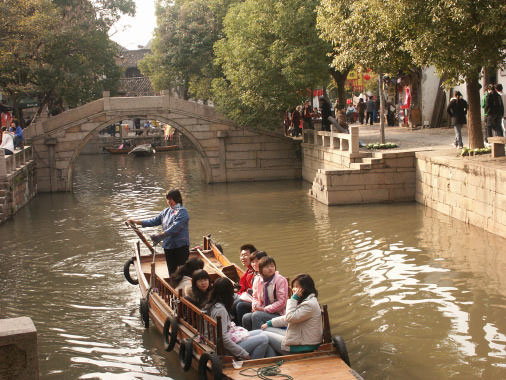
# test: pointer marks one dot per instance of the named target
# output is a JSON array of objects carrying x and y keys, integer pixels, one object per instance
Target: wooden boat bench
[{"x": 497, "y": 146}]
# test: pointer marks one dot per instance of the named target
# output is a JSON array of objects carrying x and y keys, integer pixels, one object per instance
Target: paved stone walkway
[{"x": 405, "y": 138}]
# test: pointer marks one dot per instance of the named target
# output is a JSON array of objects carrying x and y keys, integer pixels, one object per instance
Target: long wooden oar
[
  {"x": 212, "y": 265},
  {"x": 141, "y": 236}
]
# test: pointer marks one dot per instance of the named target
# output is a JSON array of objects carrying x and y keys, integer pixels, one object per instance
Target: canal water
[{"x": 415, "y": 294}]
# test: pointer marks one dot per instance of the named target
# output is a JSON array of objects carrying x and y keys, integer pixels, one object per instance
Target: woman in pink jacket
[{"x": 270, "y": 293}]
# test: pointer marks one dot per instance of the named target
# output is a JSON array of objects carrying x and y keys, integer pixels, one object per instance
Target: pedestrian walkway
[{"x": 437, "y": 138}]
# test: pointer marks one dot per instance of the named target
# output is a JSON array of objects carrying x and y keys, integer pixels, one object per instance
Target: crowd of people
[
  {"x": 339, "y": 117},
  {"x": 263, "y": 316},
  {"x": 11, "y": 138},
  {"x": 260, "y": 319}
]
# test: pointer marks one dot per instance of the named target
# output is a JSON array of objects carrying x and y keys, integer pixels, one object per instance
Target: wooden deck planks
[{"x": 327, "y": 367}]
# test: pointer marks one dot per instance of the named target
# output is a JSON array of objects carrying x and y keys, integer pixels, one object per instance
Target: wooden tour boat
[
  {"x": 142, "y": 150},
  {"x": 197, "y": 338}
]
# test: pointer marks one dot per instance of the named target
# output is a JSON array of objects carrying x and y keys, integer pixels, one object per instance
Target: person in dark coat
[
  {"x": 457, "y": 110},
  {"x": 326, "y": 111},
  {"x": 495, "y": 111},
  {"x": 361, "y": 110}
]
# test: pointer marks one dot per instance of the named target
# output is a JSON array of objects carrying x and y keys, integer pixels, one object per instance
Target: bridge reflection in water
[{"x": 415, "y": 294}]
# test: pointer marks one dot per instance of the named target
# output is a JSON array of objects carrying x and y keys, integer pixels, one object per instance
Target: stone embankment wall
[
  {"x": 385, "y": 177},
  {"x": 472, "y": 189},
  {"x": 341, "y": 174},
  {"x": 18, "y": 183}
]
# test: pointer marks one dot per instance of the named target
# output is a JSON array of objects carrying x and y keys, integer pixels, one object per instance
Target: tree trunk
[
  {"x": 382, "y": 108},
  {"x": 474, "y": 113},
  {"x": 340, "y": 79}
]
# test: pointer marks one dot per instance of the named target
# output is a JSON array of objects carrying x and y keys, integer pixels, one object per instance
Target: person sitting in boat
[
  {"x": 242, "y": 344},
  {"x": 183, "y": 278},
  {"x": 242, "y": 303},
  {"x": 176, "y": 237},
  {"x": 303, "y": 321},
  {"x": 270, "y": 293},
  {"x": 200, "y": 288}
]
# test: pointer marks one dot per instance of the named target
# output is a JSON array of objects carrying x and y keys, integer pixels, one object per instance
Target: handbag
[{"x": 237, "y": 333}]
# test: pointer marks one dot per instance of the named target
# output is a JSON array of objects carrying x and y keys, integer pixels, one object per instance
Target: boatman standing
[{"x": 176, "y": 237}]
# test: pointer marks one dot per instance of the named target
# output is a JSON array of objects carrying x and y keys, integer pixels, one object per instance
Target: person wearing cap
[{"x": 457, "y": 110}]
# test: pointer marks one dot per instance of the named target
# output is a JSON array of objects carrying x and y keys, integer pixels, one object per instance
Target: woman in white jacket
[
  {"x": 7, "y": 142},
  {"x": 302, "y": 319}
]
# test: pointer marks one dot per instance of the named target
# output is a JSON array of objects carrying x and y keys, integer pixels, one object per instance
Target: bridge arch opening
[{"x": 205, "y": 165}]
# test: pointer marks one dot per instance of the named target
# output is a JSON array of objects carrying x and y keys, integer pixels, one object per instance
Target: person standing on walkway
[
  {"x": 350, "y": 111},
  {"x": 370, "y": 107},
  {"x": 457, "y": 109},
  {"x": 499, "y": 90},
  {"x": 296, "y": 117},
  {"x": 361, "y": 110},
  {"x": 307, "y": 117},
  {"x": 175, "y": 236},
  {"x": 326, "y": 111},
  {"x": 495, "y": 111}
]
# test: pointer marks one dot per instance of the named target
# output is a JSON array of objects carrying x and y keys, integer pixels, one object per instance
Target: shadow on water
[{"x": 415, "y": 294}]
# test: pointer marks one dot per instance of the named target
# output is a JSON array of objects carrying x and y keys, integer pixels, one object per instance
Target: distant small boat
[
  {"x": 166, "y": 148},
  {"x": 142, "y": 150},
  {"x": 118, "y": 150}
]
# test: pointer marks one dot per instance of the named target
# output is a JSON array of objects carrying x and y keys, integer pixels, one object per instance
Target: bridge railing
[
  {"x": 348, "y": 142},
  {"x": 9, "y": 164}
]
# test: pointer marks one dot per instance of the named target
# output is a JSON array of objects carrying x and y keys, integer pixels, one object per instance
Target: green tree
[
  {"x": 270, "y": 55},
  {"x": 458, "y": 38},
  {"x": 362, "y": 35},
  {"x": 25, "y": 31},
  {"x": 60, "y": 50},
  {"x": 183, "y": 46}
]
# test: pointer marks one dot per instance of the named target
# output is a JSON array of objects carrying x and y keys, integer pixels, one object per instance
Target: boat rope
[{"x": 265, "y": 372}]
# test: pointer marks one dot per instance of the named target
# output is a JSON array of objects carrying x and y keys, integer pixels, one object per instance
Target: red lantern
[{"x": 367, "y": 77}]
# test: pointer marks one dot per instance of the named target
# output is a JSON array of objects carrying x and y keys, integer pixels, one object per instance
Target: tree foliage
[
  {"x": 59, "y": 50},
  {"x": 362, "y": 35},
  {"x": 457, "y": 37},
  {"x": 270, "y": 55},
  {"x": 183, "y": 46}
]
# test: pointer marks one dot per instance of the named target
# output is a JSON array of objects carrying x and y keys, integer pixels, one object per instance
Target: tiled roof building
[{"x": 132, "y": 82}]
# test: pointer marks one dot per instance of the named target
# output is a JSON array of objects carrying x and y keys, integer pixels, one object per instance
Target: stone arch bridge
[{"x": 227, "y": 153}]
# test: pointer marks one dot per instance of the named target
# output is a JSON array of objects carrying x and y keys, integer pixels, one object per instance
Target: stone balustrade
[
  {"x": 9, "y": 164},
  {"x": 341, "y": 141},
  {"x": 18, "y": 184}
]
